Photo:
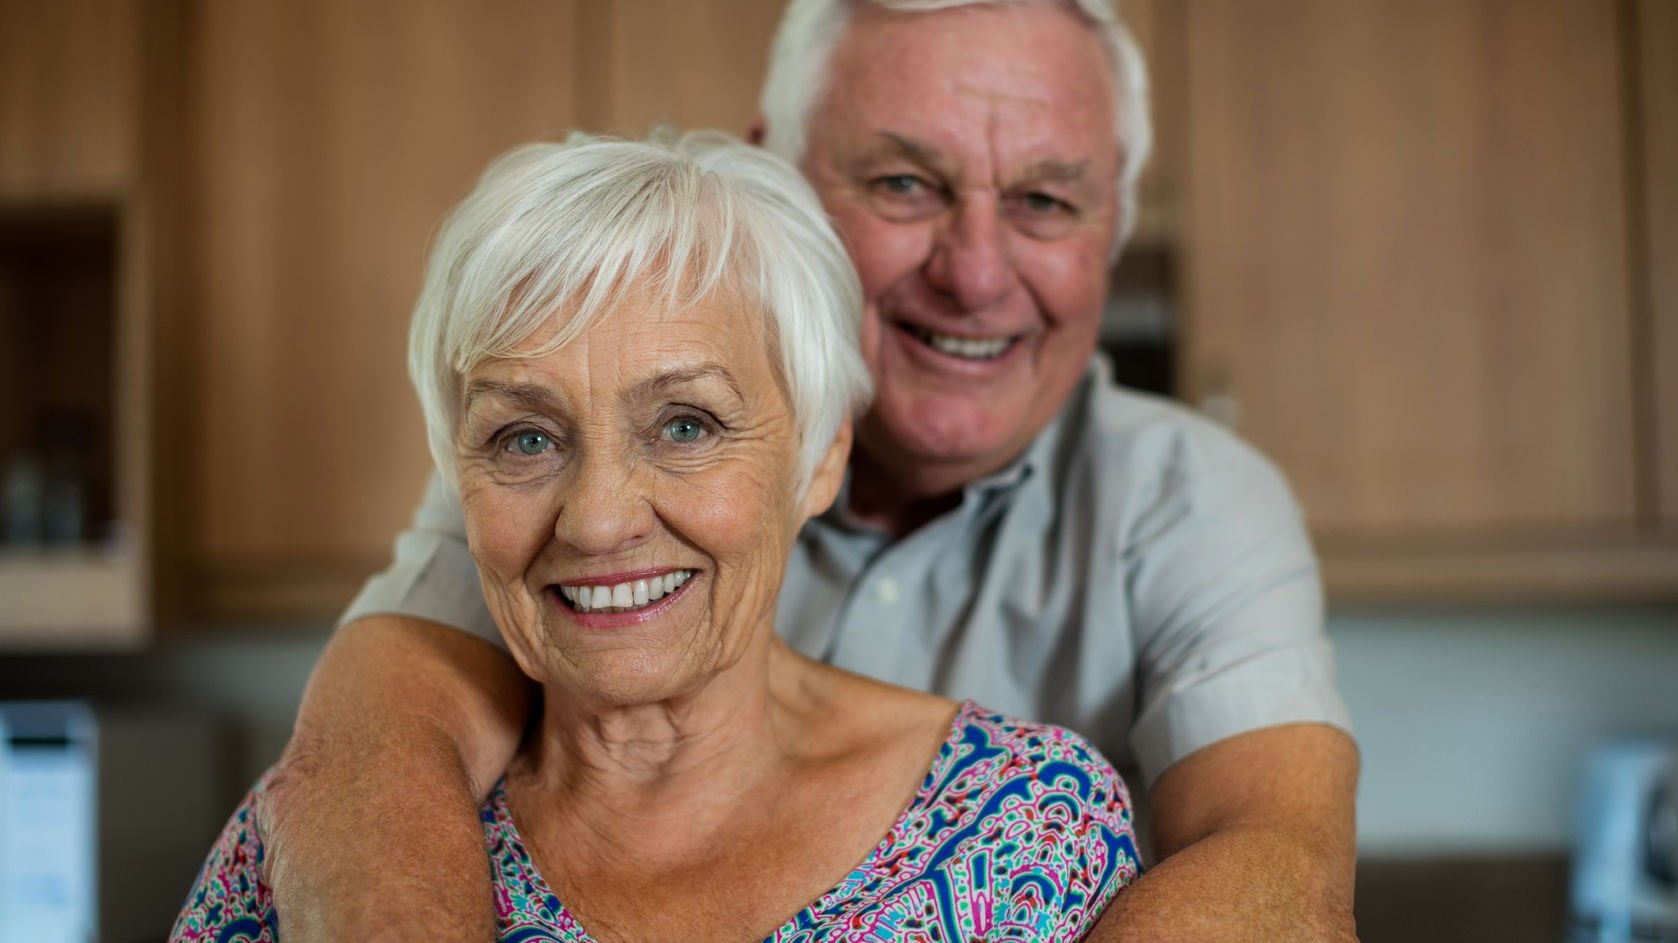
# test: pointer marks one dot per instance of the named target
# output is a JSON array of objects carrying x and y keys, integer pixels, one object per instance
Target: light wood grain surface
[
  {"x": 1406, "y": 258},
  {"x": 1658, "y": 92}
]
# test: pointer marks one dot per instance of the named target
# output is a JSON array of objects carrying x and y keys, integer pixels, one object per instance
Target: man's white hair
[
  {"x": 556, "y": 235},
  {"x": 810, "y": 29}
]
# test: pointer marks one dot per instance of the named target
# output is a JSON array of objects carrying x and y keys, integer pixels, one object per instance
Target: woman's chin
[{"x": 616, "y": 680}]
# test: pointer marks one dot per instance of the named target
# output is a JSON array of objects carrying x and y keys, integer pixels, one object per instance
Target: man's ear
[
  {"x": 756, "y": 130},
  {"x": 829, "y": 473}
]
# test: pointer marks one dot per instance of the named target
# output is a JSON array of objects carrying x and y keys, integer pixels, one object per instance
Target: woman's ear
[
  {"x": 756, "y": 130},
  {"x": 829, "y": 473}
]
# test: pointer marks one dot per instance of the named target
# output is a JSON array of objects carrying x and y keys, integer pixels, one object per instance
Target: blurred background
[{"x": 1423, "y": 253}]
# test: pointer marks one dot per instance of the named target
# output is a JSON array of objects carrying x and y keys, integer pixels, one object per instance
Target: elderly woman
[{"x": 638, "y": 364}]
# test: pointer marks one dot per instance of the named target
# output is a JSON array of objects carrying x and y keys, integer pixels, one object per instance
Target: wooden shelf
[
  {"x": 79, "y": 599},
  {"x": 1583, "y": 572}
]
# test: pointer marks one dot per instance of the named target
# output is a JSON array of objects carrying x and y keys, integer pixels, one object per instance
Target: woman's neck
[{"x": 624, "y": 778}]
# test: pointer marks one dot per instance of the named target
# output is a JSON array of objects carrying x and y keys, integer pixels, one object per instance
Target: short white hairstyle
[
  {"x": 556, "y": 235},
  {"x": 810, "y": 29}
]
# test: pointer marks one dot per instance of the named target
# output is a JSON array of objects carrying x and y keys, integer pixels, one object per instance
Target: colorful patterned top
[{"x": 1019, "y": 832}]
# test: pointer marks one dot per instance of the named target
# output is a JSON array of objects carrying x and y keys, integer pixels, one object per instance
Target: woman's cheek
[{"x": 504, "y": 526}]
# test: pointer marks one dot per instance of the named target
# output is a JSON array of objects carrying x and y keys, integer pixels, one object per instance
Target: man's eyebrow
[
  {"x": 1047, "y": 170},
  {"x": 894, "y": 144},
  {"x": 671, "y": 379},
  {"x": 531, "y": 396},
  {"x": 1050, "y": 170}
]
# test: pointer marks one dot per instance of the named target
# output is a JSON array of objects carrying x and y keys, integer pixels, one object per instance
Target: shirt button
[{"x": 887, "y": 588}]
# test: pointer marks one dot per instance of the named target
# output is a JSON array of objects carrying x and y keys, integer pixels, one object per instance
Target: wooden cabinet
[
  {"x": 88, "y": 166},
  {"x": 1406, "y": 249},
  {"x": 1157, "y": 27},
  {"x": 69, "y": 95},
  {"x": 687, "y": 63},
  {"x": 330, "y": 140},
  {"x": 1656, "y": 53},
  {"x": 1421, "y": 247}
]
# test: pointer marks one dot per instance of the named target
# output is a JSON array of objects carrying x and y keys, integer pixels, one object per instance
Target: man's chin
[{"x": 931, "y": 436}]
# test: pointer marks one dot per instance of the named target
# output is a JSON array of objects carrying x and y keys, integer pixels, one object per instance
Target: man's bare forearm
[
  {"x": 370, "y": 822},
  {"x": 1257, "y": 835},
  {"x": 1243, "y": 884}
]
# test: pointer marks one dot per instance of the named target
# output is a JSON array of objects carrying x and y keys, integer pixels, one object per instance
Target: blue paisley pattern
[{"x": 1019, "y": 832}]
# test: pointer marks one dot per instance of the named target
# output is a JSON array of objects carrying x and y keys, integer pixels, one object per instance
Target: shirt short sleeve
[
  {"x": 1227, "y": 601},
  {"x": 433, "y": 576}
]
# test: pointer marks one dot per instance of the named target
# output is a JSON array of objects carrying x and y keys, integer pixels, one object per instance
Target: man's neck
[
  {"x": 892, "y": 502},
  {"x": 899, "y": 494}
]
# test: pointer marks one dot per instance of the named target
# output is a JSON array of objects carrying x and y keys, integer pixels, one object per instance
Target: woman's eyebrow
[
  {"x": 669, "y": 379},
  {"x": 531, "y": 396}
]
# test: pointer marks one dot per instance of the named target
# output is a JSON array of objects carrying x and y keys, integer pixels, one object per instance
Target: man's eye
[
  {"x": 1044, "y": 203},
  {"x": 529, "y": 443},
  {"x": 684, "y": 430},
  {"x": 901, "y": 184}
]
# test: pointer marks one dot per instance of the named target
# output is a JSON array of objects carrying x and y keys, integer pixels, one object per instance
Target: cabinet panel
[
  {"x": 1157, "y": 26},
  {"x": 331, "y": 138},
  {"x": 690, "y": 63},
  {"x": 1658, "y": 55},
  {"x": 1406, "y": 258},
  {"x": 69, "y": 76}
]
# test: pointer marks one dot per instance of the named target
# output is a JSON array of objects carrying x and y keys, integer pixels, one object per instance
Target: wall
[{"x": 1472, "y": 723}]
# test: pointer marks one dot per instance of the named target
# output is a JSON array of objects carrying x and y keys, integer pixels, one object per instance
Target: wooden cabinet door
[
  {"x": 330, "y": 139},
  {"x": 687, "y": 63},
  {"x": 1406, "y": 259},
  {"x": 69, "y": 96},
  {"x": 1657, "y": 52}
]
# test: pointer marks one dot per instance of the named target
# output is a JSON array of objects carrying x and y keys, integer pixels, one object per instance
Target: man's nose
[
  {"x": 607, "y": 506},
  {"x": 970, "y": 260}
]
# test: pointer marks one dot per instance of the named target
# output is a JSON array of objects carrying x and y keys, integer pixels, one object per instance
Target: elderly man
[{"x": 1014, "y": 528}]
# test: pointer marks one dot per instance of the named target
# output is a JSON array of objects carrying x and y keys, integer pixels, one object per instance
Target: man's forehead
[{"x": 1034, "y": 80}]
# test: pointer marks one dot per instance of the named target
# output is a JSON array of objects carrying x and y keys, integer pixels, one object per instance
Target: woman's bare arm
[{"x": 371, "y": 824}]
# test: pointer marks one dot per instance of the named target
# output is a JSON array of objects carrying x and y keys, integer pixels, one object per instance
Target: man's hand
[
  {"x": 1256, "y": 837},
  {"x": 371, "y": 823}
]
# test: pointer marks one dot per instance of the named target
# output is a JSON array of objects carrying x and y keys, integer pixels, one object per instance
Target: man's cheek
[
  {"x": 872, "y": 334},
  {"x": 884, "y": 253}
]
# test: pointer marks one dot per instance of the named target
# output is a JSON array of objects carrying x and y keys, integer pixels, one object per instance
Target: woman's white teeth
[
  {"x": 969, "y": 347},
  {"x": 624, "y": 597}
]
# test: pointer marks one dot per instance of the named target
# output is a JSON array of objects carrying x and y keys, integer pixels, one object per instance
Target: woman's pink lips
[
  {"x": 615, "y": 578},
  {"x": 618, "y": 620}
]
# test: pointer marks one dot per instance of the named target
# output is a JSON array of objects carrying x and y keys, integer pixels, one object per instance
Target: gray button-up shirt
[{"x": 1139, "y": 575}]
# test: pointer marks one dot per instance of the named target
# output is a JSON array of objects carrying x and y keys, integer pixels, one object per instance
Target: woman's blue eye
[
  {"x": 683, "y": 430},
  {"x": 531, "y": 443}
]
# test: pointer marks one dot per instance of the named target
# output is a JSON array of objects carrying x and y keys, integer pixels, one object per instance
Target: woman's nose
[
  {"x": 606, "y": 507},
  {"x": 970, "y": 262}
]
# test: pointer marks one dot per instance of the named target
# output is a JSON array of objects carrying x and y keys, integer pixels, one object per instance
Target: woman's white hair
[
  {"x": 556, "y": 235},
  {"x": 810, "y": 29}
]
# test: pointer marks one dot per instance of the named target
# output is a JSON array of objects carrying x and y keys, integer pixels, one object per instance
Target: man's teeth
[
  {"x": 968, "y": 347},
  {"x": 624, "y": 597}
]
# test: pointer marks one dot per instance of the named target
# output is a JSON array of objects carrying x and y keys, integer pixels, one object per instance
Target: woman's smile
[{"x": 622, "y": 599}]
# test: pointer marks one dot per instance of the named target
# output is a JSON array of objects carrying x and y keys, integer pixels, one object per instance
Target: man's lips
[{"x": 974, "y": 349}]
